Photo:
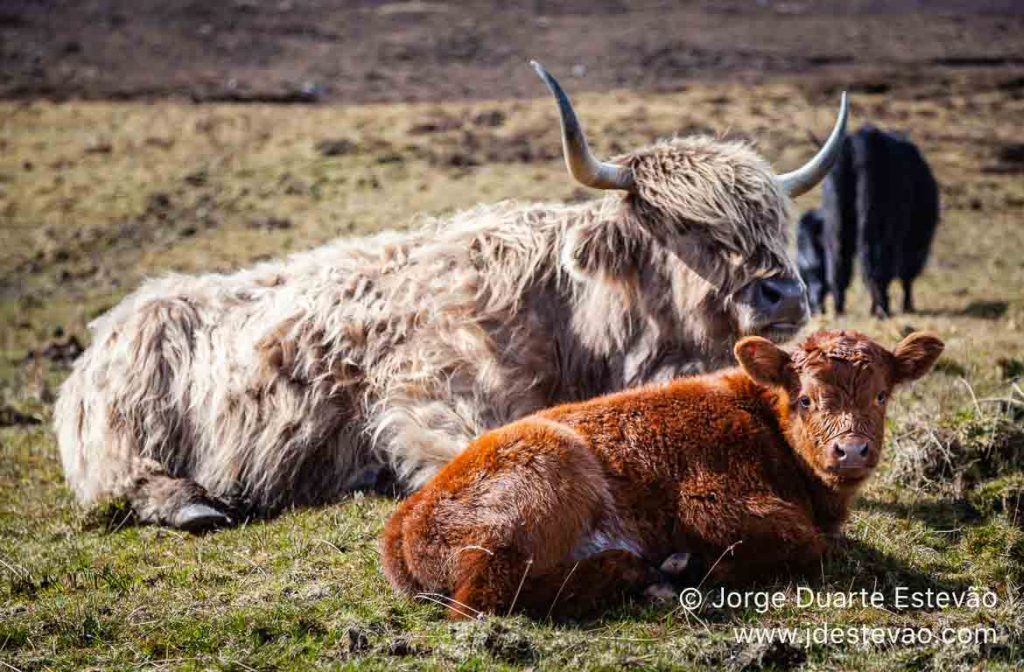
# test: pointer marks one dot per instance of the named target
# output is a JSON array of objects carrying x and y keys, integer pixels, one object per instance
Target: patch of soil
[
  {"x": 509, "y": 646},
  {"x": 12, "y": 417},
  {"x": 473, "y": 148},
  {"x": 401, "y": 647},
  {"x": 775, "y": 656},
  {"x": 986, "y": 310},
  {"x": 357, "y": 640},
  {"x": 306, "y": 51},
  {"x": 59, "y": 351},
  {"x": 1009, "y": 159},
  {"x": 270, "y": 223},
  {"x": 336, "y": 147},
  {"x": 168, "y": 216}
]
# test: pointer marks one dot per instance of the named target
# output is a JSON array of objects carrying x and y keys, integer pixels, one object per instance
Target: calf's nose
[
  {"x": 781, "y": 300},
  {"x": 852, "y": 453}
]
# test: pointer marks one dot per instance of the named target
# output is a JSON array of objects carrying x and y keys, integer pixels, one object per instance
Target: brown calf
[{"x": 567, "y": 508}]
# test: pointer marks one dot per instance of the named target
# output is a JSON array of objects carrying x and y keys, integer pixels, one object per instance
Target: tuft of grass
[{"x": 980, "y": 442}]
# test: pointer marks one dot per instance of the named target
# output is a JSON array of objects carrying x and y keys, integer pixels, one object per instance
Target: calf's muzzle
[{"x": 853, "y": 453}]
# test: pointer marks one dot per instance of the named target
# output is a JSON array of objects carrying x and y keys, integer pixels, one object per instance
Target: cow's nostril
[
  {"x": 769, "y": 294},
  {"x": 839, "y": 451},
  {"x": 864, "y": 450}
]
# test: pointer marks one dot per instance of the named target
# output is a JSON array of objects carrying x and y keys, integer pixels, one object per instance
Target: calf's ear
[
  {"x": 765, "y": 362},
  {"x": 915, "y": 355}
]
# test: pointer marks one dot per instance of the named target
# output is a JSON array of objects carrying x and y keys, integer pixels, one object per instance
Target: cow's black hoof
[{"x": 198, "y": 518}]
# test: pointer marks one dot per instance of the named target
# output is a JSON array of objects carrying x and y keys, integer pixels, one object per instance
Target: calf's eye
[
  {"x": 805, "y": 401},
  {"x": 882, "y": 396}
]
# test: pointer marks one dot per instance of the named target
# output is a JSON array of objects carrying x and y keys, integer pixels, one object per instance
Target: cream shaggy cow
[{"x": 287, "y": 383}]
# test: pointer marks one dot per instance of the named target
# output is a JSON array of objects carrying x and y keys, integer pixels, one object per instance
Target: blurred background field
[{"x": 138, "y": 138}]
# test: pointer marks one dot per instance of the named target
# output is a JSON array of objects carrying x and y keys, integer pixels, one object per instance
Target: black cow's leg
[
  {"x": 839, "y": 301},
  {"x": 879, "y": 298},
  {"x": 840, "y": 281},
  {"x": 908, "y": 295},
  {"x": 816, "y": 299}
]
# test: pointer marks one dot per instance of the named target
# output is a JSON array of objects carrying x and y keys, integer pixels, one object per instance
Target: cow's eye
[
  {"x": 882, "y": 397},
  {"x": 805, "y": 401}
]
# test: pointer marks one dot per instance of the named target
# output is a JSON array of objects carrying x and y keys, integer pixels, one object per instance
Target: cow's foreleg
[
  {"x": 122, "y": 418},
  {"x": 879, "y": 290},
  {"x": 908, "y": 295},
  {"x": 177, "y": 502},
  {"x": 816, "y": 296}
]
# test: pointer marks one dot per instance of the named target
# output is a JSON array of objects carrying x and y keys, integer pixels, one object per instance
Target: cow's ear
[
  {"x": 915, "y": 355},
  {"x": 610, "y": 248},
  {"x": 765, "y": 362}
]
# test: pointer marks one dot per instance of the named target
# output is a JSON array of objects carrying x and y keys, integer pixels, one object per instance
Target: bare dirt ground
[{"x": 351, "y": 51}]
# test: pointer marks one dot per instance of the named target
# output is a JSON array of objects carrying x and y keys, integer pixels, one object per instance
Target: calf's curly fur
[{"x": 564, "y": 510}]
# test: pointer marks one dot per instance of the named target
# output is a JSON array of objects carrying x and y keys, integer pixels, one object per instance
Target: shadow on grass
[
  {"x": 939, "y": 514},
  {"x": 851, "y": 566},
  {"x": 854, "y": 565},
  {"x": 981, "y": 309}
]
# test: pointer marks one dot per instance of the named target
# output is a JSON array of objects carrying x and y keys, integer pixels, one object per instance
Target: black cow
[
  {"x": 810, "y": 255},
  {"x": 882, "y": 200}
]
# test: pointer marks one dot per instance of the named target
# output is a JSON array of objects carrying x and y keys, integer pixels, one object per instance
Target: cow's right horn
[
  {"x": 581, "y": 163},
  {"x": 806, "y": 177}
]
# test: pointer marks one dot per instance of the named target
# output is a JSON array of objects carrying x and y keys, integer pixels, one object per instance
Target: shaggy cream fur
[{"x": 282, "y": 383}]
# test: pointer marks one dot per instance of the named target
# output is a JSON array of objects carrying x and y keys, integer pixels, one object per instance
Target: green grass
[{"x": 190, "y": 188}]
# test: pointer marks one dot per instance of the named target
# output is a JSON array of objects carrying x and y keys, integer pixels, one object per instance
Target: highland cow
[
  {"x": 288, "y": 383},
  {"x": 753, "y": 469}
]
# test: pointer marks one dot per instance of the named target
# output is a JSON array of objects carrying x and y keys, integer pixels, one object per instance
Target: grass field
[{"x": 96, "y": 196}]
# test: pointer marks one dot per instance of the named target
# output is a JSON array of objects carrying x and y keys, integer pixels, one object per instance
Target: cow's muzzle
[{"x": 780, "y": 304}]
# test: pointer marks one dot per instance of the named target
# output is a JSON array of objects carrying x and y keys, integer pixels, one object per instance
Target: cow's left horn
[
  {"x": 581, "y": 163},
  {"x": 806, "y": 177}
]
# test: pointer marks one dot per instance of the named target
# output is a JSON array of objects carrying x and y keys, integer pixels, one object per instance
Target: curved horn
[
  {"x": 805, "y": 178},
  {"x": 581, "y": 163}
]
